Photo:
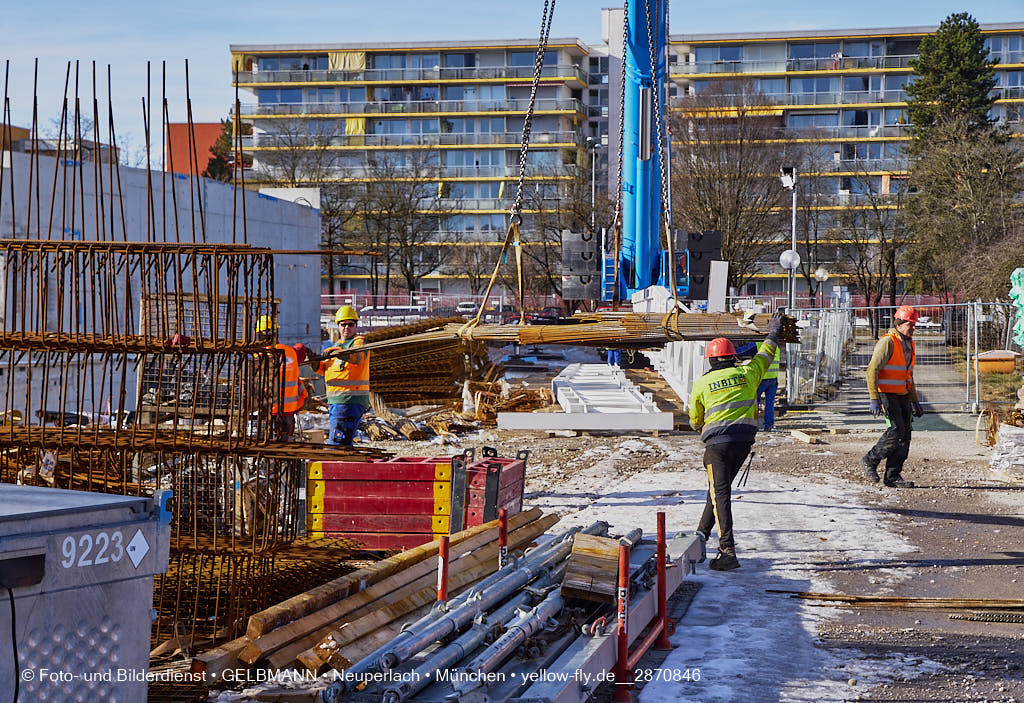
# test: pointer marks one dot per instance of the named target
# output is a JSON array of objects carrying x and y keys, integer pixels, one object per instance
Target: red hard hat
[
  {"x": 300, "y": 352},
  {"x": 719, "y": 347},
  {"x": 906, "y": 313}
]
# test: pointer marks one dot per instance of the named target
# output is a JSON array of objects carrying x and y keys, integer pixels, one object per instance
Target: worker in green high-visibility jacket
[
  {"x": 723, "y": 406},
  {"x": 769, "y": 387}
]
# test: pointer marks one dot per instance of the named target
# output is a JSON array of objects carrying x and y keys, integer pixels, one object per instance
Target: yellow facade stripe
[
  {"x": 414, "y": 81},
  {"x": 375, "y": 115},
  {"x": 797, "y": 40},
  {"x": 315, "y": 470},
  {"x": 310, "y": 50},
  {"x": 443, "y": 471}
]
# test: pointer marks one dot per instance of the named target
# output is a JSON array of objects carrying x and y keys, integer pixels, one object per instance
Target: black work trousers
[
  {"x": 722, "y": 461},
  {"x": 894, "y": 445}
]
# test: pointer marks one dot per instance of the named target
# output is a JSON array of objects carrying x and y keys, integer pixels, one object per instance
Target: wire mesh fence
[{"x": 955, "y": 346}]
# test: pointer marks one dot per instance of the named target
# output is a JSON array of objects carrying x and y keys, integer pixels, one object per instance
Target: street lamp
[
  {"x": 787, "y": 174},
  {"x": 821, "y": 275},
  {"x": 592, "y": 146}
]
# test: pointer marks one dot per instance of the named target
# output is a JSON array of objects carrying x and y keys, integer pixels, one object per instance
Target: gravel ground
[{"x": 965, "y": 527}]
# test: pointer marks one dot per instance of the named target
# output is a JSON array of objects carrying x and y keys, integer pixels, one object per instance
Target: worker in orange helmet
[
  {"x": 723, "y": 406},
  {"x": 890, "y": 378}
]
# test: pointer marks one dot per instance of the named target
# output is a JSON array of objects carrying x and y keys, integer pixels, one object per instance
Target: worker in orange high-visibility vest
[
  {"x": 347, "y": 379},
  {"x": 890, "y": 377},
  {"x": 292, "y": 396}
]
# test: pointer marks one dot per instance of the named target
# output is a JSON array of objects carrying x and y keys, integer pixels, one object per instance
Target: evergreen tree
[
  {"x": 955, "y": 76},
  {"x": 219, "y": 166}
]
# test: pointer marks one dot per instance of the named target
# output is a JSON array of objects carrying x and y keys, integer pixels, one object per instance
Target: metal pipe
[
  {"x": 446, "y": 657},
  {"x": 461, "y": 610},
  {"x": 622, "y": 674},
  {"x": 663, "y": 642},
  {"x": 502, "y": 538},
  {"x": 528, "y": 623},
  {"x": 442, "y": 569}
]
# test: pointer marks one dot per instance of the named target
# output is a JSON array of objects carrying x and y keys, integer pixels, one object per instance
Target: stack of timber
[
  {"x": 593, "y": 570},
  {"x": 345, "y": 619}
]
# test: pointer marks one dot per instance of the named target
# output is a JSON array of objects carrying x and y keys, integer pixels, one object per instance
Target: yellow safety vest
[
  {"x": 773, "y": 370},
  {"x": 348, "y": 379},
  {"x": 724, "y": 402}
]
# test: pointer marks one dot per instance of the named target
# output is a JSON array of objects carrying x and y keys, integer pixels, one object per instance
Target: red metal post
[
  {"x": 442, "y": 570},
  {"x": 502, "y": 538},
  {"x": 662, "y": 621},
  {"x": 623, "y": 675}
]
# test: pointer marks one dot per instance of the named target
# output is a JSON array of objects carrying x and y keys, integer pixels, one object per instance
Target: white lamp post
[
  {"x": 592, "y": 146},
  {"x": 787, "y": 174},
  {"x": 821, "y": 275}
]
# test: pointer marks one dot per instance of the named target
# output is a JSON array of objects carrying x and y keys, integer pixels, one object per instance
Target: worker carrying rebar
[
  {"x": 723, "y": 406},
  {"x": 293, "y": 394},
  {"x": 890, "y": 378},
  {"x": 348, "y": 380}
]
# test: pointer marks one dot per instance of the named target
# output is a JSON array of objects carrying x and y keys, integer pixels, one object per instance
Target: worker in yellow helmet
[
  {"x": 292, "y": 394},
  {"x": 348, "y": 380}
]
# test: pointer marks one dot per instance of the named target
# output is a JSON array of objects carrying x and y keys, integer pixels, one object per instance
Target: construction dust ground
[{"x": 807, "y": 521}]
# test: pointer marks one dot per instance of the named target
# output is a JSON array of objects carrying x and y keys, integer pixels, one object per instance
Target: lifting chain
[
  {"x": 659, "y": 128},
  {"x": 512, "y": 235},
  {"x": 617, "y": 219}
]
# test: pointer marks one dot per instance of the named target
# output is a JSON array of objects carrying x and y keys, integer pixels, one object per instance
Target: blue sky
[{"x": 127, "y": 34}]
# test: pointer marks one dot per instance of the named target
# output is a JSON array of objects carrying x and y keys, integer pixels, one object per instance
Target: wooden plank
[
  {"x": 384, "y": 489},
  {"x": 316, "y": 598},
  {"x": 474, "y": 567},
  {"x": 380, "y": 523},
  {"x": 803, "y": 437},
  {"x": 214, "y": 662},
  {"x": 279, "y": 637},
  {"x": 341, "y": 505},
  {"x": 839, "y": 430},
  {"x": 592, "y": 570},
  {"x": 374, "y": 640}
]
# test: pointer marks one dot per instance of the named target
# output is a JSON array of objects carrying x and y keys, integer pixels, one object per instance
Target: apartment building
[
  {"x": 461, "y": 106},
  {"x": 458, "y": 107},
  {"x": 843, "y": 91}
]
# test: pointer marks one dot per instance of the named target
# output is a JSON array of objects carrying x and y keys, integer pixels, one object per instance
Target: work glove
[
  {"x": 876, "y": 407},
  {"x": 775, "y": 326},
  {"x": 918, "y": 410}
]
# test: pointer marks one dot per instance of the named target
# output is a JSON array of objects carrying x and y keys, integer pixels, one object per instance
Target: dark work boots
[
  {"x": 725, "y": 561},
  {"x": 899, "y": 483},
  {"x": 870, "y": 470}
]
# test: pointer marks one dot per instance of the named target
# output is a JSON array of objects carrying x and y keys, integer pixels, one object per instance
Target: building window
[
  {"x": 389, "y": 61},
  {"x": 460, "y": 60},
  {"x": 815, "y": 50},
  {"x": 719, "y": 54},
  {"x": 862, "y": 49},
  {"x": 862, "y": 118},
  {"x": 814, "y": 85},
  {"x": 862, "y": 84},
  {"x": 772, "y": 86},
  {"x": 895, "y": 116},
  {"x": 811, "y": 120}
]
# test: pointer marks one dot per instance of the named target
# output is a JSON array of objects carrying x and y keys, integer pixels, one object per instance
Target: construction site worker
[
  {"x": 348, "y": 380},
  {"x": 890, "y": 378},
  {"x": 293, "y": 394},
  {"x": 769, "y": 387},
  {"x": 723, "y": 406}
]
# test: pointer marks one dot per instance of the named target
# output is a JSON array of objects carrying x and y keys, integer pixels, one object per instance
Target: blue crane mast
[{"x": 642, "y": 263}]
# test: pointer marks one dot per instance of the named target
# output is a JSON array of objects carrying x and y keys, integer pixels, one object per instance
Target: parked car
[
  {"x": 547, "y": 316},
  {"x": 466, "y": 307},
  {"x": 500, "y": 313}
]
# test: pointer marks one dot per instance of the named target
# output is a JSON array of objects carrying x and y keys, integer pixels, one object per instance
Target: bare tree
[
  {"x": 876, "y": 234},
  {"x": 474, "y": 262},
  {"x": 295, "y": 152},
  {"x": 814, "y": 222},
  {"x": 727, "y": 154},
  {"x": 967, "y": 179}
]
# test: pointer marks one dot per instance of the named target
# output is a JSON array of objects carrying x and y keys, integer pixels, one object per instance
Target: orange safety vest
[
  {"x": 896, "y": 375},
  {"x": 292, "y": 391},
  {"x": 348, "y": 378}
]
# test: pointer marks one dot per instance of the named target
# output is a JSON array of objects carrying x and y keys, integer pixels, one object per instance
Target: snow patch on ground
[{"x": 790, "y": 533}]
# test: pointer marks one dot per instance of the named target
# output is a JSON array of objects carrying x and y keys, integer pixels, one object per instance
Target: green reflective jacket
[
  {"x": 773, "y": 370},
  {"x": 723, "y": 403}
]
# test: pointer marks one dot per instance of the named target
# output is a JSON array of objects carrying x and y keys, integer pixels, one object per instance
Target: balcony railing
[
  {"x": 509, "y": 139},
  {"x": 802, "y": 99},
  {"x": 845, "y": 63},
  {"x": 415, "y": 106},
  {"x": 399, "y": 75},
  {"x": 340, "y": 170}
]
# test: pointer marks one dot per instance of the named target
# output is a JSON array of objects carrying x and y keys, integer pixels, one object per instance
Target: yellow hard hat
[
  {"x": 346, "y": 312},
  {"x": 266, "y": 324}
]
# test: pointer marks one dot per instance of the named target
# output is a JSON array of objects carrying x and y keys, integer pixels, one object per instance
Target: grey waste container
[{"x": 80, "y": 566}]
